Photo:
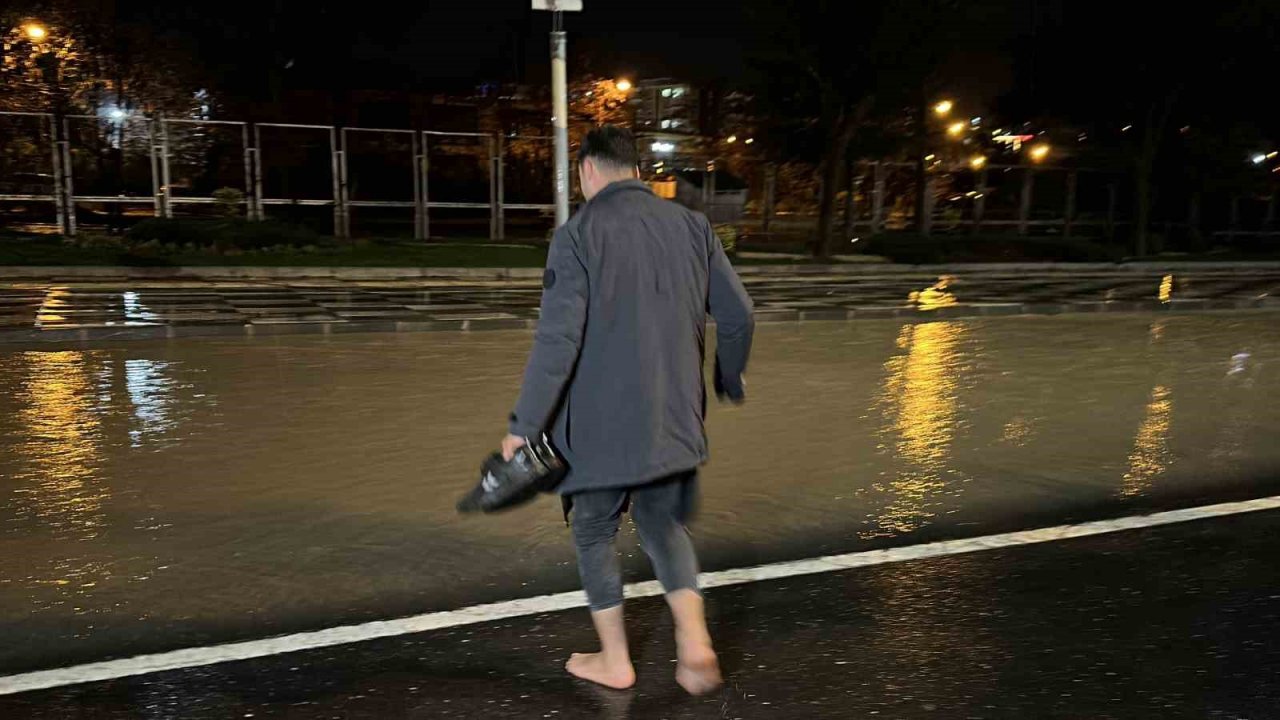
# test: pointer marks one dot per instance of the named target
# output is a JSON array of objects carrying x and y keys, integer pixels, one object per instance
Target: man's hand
[{"x": 510, "y": 444}]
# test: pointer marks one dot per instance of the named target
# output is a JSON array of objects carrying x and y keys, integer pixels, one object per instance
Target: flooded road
[{"x": 159, "y": 495}]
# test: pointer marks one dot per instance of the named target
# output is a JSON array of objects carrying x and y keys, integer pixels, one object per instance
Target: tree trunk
[
  {"x": 832, "y": 169},
  {"x": 833, "y": 164}
]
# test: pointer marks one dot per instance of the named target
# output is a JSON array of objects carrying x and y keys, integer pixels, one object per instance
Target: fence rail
[{"x": 156, "y": 145}]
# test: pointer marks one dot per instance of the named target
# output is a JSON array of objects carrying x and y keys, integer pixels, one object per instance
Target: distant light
[
  {"x": 1039, "y": 152},
  {"x": 663, "y": 147},
  {"x": 1165, "y": 294},
  {"x": 1271, "y": 155},
  {"x": 35, "y": 31},
  {"x": 927, "y": 158},
  {"x": 117, "y": 114},
  {"x": 1259, "y": 158},
  {"x": 731, "y": 139},
  {"x": 975, "y": 121},
  {"x": 955, "y": 129},
  {"x": 977, "y": 162},
  {"x": 1126, "y": 128},
  {"x": 943, "y": 107},
  {"x": 623, "y": 85},
  {"x": 854, "y": 240},
  {"x": 750, "y": 140},
  {"x": 997, "y": 131}
]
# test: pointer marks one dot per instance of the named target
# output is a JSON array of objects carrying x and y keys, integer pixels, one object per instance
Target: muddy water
[{"x": 158, "y": 495}]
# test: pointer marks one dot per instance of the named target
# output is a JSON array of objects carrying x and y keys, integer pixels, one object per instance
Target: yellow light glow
[
  {"x": 35, "y": 31},
  {"x": 1166, "y": 289},
  {"x": 1039, "y": 152},
  {"x": 731, "y": 139},
  {"x": 1150, "y": 456},
  {"x": 977, "y": 162},
  {"x": 624, "y": 85},
  {"x": 955, "y": 129},
  {"x": 944, "y": 107},
  {"x": 750, "y": 140},
  {"x": 919, "y": 401}
]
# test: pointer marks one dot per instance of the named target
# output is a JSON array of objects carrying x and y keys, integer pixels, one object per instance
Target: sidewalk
[{"x": 86, "y": 304}]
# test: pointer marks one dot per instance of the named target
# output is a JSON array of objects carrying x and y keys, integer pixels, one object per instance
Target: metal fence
[{"x": 59, "y": 169}]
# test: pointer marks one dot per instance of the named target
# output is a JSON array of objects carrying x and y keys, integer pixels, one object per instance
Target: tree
[
  {"x": 1166, "y": 79},
  {"x": 824, "y": 81}
]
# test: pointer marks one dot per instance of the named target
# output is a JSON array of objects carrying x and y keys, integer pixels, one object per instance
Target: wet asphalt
[{"x": 1181, "y": 621}]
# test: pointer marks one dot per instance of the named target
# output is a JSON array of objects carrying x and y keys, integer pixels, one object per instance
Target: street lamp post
[{"x": 560, "y": 99}]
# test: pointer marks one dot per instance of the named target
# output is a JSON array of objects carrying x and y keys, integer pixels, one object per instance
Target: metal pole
[
  {"x": 980, "y": 202},
  {"x": 426, "y": 187},
  {"x": 560, "y": 117},
  {"x": 342, "y": 184},
  {"x": 257, "y": 173},
  {"x": 250, "y": 203},
  {"x": 1070, "y": 218},
  {"x": 68, "y": 185},
  {"x": 1024, "y": 207},
  {"x": 417, "y": 187},
  {"x": 59, "y": 200},
  {"x": 334, "y": 170},
  {"x": 166, "y": 206},
  {"x": 500, "y": 190},
  {"x": 770, "y": 191},
  {"x": 156, "y": 200},
  {"x": 877, "y": 199}
]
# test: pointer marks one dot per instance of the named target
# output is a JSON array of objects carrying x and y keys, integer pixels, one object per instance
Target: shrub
[{"x": 223, "y": 234}]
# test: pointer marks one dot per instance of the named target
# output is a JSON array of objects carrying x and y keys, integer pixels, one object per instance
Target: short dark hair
[{"x": 611, "y": 146}]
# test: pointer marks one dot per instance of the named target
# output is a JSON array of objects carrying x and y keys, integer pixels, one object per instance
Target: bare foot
[
  {"x": 698, "y": 670},
  {"x": 593, "y": 667}
]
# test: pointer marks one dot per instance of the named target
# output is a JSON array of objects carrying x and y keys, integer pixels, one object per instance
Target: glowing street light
[
  {"x": 623, "y": 85},
  {"x": 943, "y": 108},
  {"x": 731, "y": 139},
  {"x": 977, "y": 162},
  {"x": 956, "y": 129},
  {"x": 1259, "y": 158},
  {"x": 35, "y": 32},
  {"x": 750, "y": 140},
  {"x": 1039, "y": 152}
]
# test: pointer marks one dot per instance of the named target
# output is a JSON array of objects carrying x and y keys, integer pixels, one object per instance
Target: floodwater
[{"x": 157, "y": 495}]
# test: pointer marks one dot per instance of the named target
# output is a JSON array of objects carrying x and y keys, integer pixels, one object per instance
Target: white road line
[{"x": 214, "y": 654}]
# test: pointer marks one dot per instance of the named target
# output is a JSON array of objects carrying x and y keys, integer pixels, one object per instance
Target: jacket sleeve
[
  {"x": 729, "y": 304},
  {"x": 558, "y": 339}
]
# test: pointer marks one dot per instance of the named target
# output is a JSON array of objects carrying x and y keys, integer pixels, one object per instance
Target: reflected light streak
[
  {"x": 921, "y": 417},
  {"x": 1150, "y": 455},
  {"x": 935, "y": 296},
  {"x": 1166, "y": 289}
]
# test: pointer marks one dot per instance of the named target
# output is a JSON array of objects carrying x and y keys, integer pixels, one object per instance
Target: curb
[
  {"x": 908, "y": 314},
  {"x": 64, "y": 273}
]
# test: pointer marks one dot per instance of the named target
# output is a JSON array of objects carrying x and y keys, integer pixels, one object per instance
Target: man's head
[{"x": 608, "y": 154}]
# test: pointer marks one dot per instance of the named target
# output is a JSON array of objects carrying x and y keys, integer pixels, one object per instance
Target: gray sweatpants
[{"x": 661, "y": 510}]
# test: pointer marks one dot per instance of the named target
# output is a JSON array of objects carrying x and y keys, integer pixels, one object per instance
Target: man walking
[{"x": 615, "y": 376}]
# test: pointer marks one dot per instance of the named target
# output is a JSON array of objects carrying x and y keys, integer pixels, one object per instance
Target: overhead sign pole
[{"x": 560, "y": 99}]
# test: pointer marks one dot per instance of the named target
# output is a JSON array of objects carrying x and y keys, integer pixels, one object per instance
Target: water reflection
[
  {"x": 1150, "y": 455},
  {"x": 935, "y": 296},
  {"x": 152, "y": 393},
  {"x": 921, "y": 413},
  {"x": 53, "y": 308},
  {"x": 61, "y": 446}
]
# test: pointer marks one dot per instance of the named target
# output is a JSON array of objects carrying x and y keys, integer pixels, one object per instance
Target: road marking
[{"x": 342, "y": 635}]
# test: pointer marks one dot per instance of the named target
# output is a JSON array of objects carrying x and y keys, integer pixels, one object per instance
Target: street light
[
  {"x": 943, "y": 108},
  {"x": 731, "y": 139},
  {"x": 955, "y": 129},
  {"x": 623, "y": 85},
  {"x": 1039, "y": 152},
  {"x": 35, "y": 32},
  {"x": 977, "y": 162}
]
